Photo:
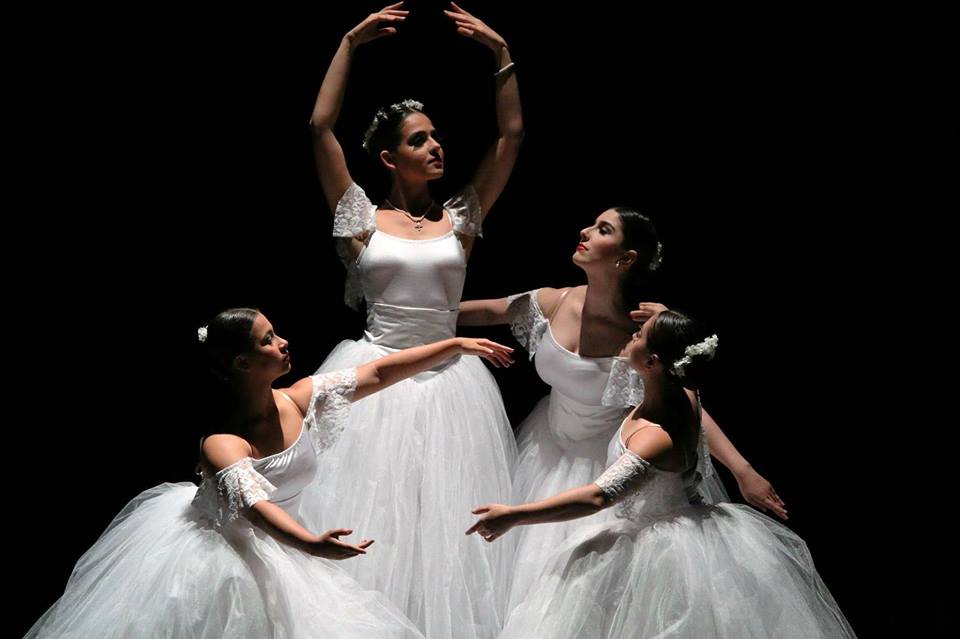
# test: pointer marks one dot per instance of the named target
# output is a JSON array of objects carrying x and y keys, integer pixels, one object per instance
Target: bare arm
[
  {"x": 497, "y": 164},
  {"x": 277, "y": 521},
  {"x": 484, "y": 312},
  {"x": 721, "y": 447},
  {"x": 491, "y": 312},
  {"x": 221, "y": 451},
  {"x": 378, "y": 374},
  {"x": 496, "y": 519},
  {"x": 756, "y": 490},
  {"x": 328, "y": 154}
]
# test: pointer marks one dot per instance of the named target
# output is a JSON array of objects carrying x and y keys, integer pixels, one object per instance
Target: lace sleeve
[
  {"x": 355, "y": 214},
  {"x": 527, "y": 322},
  {"x": 355, "y": 217},
  {"x": 624, "y": 385},
  {"x": 330, "y": 406},
  {"x": 465, "y": 212},
  {"x": 226, "y": 495},
  {"x": 624, "y": 477}
]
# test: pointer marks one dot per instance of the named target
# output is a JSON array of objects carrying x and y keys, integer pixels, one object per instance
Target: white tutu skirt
[
  {"x": 161, "y": 570},
  {"x": 718, "y": 571},
  {"x": 711, "y": 489},
  {"x": 412, "y": 462},
  {"x": 546, "y": 467}
]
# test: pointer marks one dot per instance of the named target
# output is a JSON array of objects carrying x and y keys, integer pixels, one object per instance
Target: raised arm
[
  {"x": 328, "y": 154},
  {"x": 497, "y": 164}
]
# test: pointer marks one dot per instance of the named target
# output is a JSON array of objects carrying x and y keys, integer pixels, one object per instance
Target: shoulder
[
  {"x": 222, "y": 450},
  {"x": 550, "y": 298},
  {"x": 648, "y": 440}
]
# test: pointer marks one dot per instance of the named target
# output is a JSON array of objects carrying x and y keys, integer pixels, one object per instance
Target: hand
[
  {"x": 473, "y": 27},
  {"x": 377, "y": 25},
  {"x": 329, "y": 546},
  {"x": 759, "y": 493},
  {"x": 646, "y": 310},
  {"x": 495, "y": 520},
  {"x": 496, "y": 354}
]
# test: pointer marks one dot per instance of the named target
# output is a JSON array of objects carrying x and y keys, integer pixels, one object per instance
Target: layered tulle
[
  {"x": 410, "y": 465},
  {"x": 163, "y": 570}
]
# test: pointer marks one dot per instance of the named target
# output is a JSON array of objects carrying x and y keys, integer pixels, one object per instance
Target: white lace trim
[
  {"x": 227, "y": 494},
  {"x": 355, "y": 214},
  {"x": 624, "y": 385},
  {"x": 527, "y": 322},
  {"x": 355, "y": 217},
  {"x": 465, "y": 212},
  {"x": 330, "y": 406},
  {"x": 624, "y": 477}
]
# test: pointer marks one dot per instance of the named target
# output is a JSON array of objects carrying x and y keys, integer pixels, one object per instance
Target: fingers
[
  {"x": 492, "y": 360},
  {"x": 466, "y": 24},
  {"x": 766, "y": 504},
  {"x": 499, "y": 351},
  {"x": 757, "y": 503},
  {"x": 463, "y": 17},
  {"x": 496, "y": 354},
  {"x": 348, "y": 550},
  {"x": 773, "y": 503},
  {"x": 479, "y": 510},
  {"x": 481, "y": 529},
  {"x": 498, "y": 360},
  {"x": 384, "y": 19},
  {"x": 460, "y": 9},
  {"x": 487, "y": 534},
  {"x": 495, "y": 345},
  {"x": 336, "y": 532}
]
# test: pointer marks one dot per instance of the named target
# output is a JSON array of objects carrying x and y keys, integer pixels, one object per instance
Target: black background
[{"x": 177, "y": 157}]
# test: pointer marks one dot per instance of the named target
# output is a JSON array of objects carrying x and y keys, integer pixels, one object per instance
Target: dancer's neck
[
  {"x": 413, "y": 198},
  {"x": 603, "y": 299}
]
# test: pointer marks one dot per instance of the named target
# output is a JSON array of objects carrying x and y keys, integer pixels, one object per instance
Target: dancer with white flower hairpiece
[
  {"x": 574, "y": 336},
  {"x": 657, "y": 565},
  {"x": 233, "y": 558}
]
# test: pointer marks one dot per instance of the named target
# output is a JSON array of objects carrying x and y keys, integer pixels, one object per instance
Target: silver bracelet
[{"x": 503, "y": 70}]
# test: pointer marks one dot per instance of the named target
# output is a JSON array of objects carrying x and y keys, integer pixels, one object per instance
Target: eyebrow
[{"x": 421, "y": 132}]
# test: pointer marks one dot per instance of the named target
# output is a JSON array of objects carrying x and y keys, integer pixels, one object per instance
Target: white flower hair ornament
[
  {"x": 707, "y": 348},
  {"x": 657, "y": 258},
  {"x": 202, "y": 334}
]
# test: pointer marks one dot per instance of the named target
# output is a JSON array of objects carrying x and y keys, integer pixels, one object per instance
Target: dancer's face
[
  {"x": 601, "y": 244},
  {"x": 269, "y": 355},
  {"x": 641, "y": 359},
  {"x": 419, "y": 155}
]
